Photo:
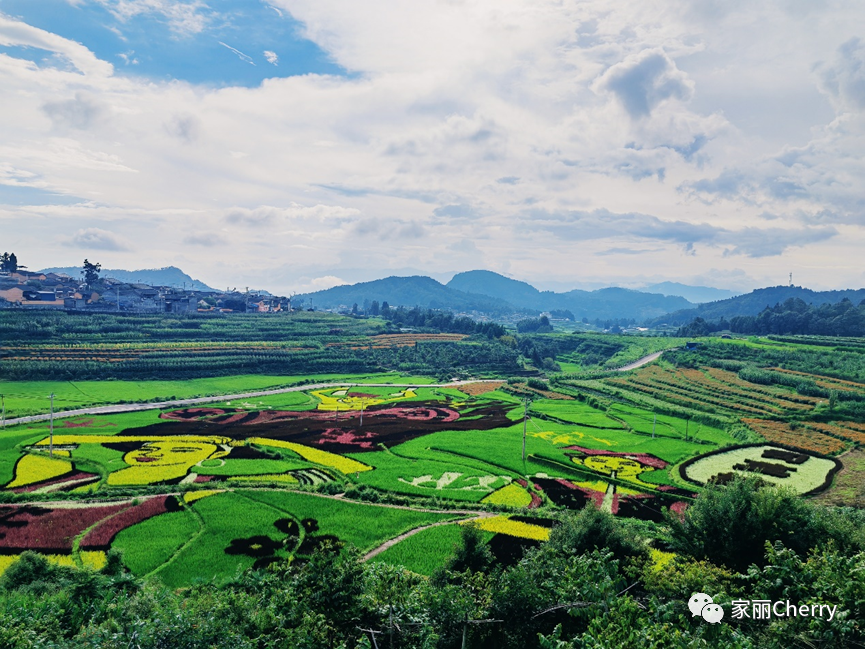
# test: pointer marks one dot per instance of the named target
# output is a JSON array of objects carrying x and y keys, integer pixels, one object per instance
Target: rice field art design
[
  {"x": 804, "y": 472},
  {"x": 612, "y": 484},
  {"x": 335, "y": 430}
]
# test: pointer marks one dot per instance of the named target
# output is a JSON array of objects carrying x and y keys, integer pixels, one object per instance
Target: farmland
[{"x": 420, "y": 435}]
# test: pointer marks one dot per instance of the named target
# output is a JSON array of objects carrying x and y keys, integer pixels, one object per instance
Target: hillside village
[{"x": 25, "y": 289}]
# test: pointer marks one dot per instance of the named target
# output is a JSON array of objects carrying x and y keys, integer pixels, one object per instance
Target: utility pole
[
  {"x": 687, "y": 426},
  {"x": 3, "y": 400},
  {"x": 525, "y": 419},
  {"x": 51, "y": 428},
  {"x": 361, "y": 413}
]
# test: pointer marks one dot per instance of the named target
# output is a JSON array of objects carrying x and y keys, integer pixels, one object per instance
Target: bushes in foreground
[{"x": 591, "y": 586}]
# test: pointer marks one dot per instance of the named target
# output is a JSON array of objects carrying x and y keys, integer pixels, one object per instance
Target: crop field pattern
[{"x": 200, "y": 492}]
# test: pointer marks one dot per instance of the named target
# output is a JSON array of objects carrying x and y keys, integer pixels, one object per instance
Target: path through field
[
  {"x": 402, "y": 537},
  {"x": 137, "y": 407},
  {"x": 643, "y": 361}
]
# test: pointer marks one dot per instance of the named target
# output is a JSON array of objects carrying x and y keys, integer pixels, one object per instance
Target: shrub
[
  {"x": 592, "y": 529},
  {"x": 730, "y": 525}
]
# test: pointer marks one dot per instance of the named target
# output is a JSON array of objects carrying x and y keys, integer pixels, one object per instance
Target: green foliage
[
  {"x": 592, "y": 529},
  {"x": 729, "y": 525},
  {"x": 471, "y": 554}
]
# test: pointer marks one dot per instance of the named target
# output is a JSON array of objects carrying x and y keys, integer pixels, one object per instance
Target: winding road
[{"x": 645, "y": 360}]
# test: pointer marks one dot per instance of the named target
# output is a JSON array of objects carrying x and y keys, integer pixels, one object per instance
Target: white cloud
[
  {"x": 844, "y": 79},
  {"x": 14, "y": 32},
  {"x": 98, "y": 239},
  {"x": 462, "y": 120},
  {"x": 271, "y": 57},
  {"x": 643, "y": 81},
  {"x": 182, "y": 17}
]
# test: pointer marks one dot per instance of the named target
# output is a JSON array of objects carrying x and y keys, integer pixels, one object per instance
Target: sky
[{"x": 293, "y": 145}]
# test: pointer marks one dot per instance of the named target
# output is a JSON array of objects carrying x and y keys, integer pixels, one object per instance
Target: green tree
[
  {"x": 592, "y": 529},
  {"x": 730, "y": 525},
  {"x": 9, "y": 262},
  {"x": 91, "y": 272}
]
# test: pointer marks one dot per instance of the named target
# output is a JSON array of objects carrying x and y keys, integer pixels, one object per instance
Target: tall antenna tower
[{"x": 791, "y": 279}]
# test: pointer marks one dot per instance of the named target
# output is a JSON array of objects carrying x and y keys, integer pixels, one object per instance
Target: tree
[
  {"x": 374, "y": 308},
  {"x": 729, "y": 525},
  {"x": 91, "y": 272},
  {"x": 8, "y": 262}
]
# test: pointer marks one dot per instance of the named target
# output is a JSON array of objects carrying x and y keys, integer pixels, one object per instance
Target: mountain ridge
[{"x": 754, "y": 302}]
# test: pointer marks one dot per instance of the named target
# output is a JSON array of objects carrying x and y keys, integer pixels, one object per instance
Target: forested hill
[
  {"x": 418, "y": 291},
  {"x": 753, "y": 303}
]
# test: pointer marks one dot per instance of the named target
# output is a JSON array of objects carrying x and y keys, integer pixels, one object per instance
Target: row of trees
[
  {"x": 439, "y": 321},
  {"x": 593, "y": 585},
  {"x": 792, "y": 317}
]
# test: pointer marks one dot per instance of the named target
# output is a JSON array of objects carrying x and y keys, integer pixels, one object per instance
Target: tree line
[
  {"x": 792, "y": 317},
  {"x": 436, "y": 320}
]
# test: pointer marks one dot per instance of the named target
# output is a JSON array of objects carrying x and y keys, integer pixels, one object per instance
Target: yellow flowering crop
[
  {"x": 34, "y": 468},
  {"x": 512, "y": 495},
  {"x": 192, "y": 496},
  {"x": 619, "y": 467},
  {"x": 503, "y": 525},
  {"x": 167, "y": 459},
  {"x": 343, "y": 464},
  {"x": 339, "y": 399},
  {"x": 95, "y": 560}
]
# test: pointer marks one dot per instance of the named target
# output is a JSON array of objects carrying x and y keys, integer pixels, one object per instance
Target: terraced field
[{"x": 200, "y": 493}]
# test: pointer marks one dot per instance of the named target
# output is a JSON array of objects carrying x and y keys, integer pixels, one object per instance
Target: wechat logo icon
[{"x": 701, "y": 604}]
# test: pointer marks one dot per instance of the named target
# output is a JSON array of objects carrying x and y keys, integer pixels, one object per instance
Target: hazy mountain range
[
  {"x": 168, "y": 276},
  {"x": 494, "y": 294}
]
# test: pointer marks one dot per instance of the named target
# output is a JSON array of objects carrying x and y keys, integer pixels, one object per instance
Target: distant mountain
[
  {"x": 168, "y": 276},
  {"x": 486, "y": 282},
  {"x": 405, "y": 291},
  {"x": 605, "y": 303},
  {"x": 754, "y": 302},
  {"x": 695, "y": 294}
]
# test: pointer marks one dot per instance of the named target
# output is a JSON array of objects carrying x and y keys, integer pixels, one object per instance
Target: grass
[
  {"x": 848, "y": 488},
  {"x": 576, "y": 412},
  {"x": 425, "y": 551},
  {"x": 225, "y": 516},
  {"x": 10, "y": 443},
  {"x": 396, "y": 473},
  {"x": 151, "y": 543},
  {"x": 362, "y": 525},
  {"x": 248, "y": 467},
  {"x": 169, "y": 547}
]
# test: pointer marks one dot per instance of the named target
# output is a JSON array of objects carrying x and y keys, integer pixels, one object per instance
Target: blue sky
[
  {"x": 298, "y": 144},
  {"x": 149, "y": 45}
]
